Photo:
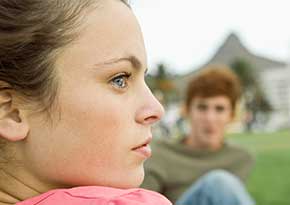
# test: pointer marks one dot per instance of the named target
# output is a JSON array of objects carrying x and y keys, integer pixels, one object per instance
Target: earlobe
[
  {"x": 13, "y": 125},
  {"x": 12, "y": 130}
]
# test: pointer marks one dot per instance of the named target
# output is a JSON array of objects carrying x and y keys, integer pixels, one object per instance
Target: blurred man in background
[{"x": 201, "y": 168}]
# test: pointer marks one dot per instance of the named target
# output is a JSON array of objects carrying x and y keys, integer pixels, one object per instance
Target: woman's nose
[{"x": 151, "y": 110}]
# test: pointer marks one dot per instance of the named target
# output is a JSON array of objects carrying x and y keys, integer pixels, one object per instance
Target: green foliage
[
  {"x": 255, "y": 99},
  {"x": 245, "y": 72},
  {"x": 161, "y": 72},
  {"x": 162, "y": 82}
]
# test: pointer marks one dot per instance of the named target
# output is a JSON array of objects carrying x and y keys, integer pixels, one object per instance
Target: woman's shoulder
[{"x": 97, "y": 195}]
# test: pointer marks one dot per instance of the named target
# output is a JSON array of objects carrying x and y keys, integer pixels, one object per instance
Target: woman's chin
[
  {"x": 134, "y": 181},
  {"x": 127, "y": 180}
]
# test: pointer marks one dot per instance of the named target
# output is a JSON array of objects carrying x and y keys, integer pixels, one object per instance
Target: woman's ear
[{"x": 13, "y": 122}]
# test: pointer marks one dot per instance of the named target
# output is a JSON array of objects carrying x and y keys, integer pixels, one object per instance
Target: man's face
[{"x": 208, "y": 119}]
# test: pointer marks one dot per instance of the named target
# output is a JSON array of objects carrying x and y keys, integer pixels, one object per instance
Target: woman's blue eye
[{"x": 121, "y": 81}]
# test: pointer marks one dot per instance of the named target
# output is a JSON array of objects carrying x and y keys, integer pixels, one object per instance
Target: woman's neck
[{"x": 13, "y": 190}]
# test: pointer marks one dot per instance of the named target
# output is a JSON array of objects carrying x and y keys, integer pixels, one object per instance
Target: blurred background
[{"x": 253, "y": 38}]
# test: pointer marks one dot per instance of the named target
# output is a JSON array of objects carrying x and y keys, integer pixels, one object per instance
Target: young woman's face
[{"x": 105, "y": 109}]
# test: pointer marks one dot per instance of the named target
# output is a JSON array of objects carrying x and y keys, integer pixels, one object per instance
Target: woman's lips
[{"x": 144, "y": 150}]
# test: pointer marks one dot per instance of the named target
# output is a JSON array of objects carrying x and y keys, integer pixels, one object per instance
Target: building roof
[{"x": 233, "y": 49}]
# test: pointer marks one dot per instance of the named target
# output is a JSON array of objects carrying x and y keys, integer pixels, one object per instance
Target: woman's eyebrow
[{"x": 133, "y": 60}]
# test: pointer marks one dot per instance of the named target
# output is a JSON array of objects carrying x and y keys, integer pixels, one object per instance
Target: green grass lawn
[{"x": 269, "y": 182}]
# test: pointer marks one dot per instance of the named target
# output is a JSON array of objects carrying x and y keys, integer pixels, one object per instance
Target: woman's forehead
[
  {"x": 104, "y": 39},
  {"x": 107, "y": 38}
]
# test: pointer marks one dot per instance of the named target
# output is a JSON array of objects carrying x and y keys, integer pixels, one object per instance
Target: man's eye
[
  {"x": 220, "y": 108},
  {"x": 121, "y": 81},
  {"x": 201, "y": 107}
]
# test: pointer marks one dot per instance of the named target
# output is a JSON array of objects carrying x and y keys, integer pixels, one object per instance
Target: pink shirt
[{"x": 96, "y": 195}]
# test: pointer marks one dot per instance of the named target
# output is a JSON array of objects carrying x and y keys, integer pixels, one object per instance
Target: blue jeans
[{"x": 217, "y": 187}]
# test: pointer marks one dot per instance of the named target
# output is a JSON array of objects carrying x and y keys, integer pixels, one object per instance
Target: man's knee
[
  {"x": 217, "y": 187},
  {"x": 222, "y": 180}
]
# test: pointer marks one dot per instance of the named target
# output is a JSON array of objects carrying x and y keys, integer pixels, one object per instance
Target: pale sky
[{"x": 184, "y": 34}]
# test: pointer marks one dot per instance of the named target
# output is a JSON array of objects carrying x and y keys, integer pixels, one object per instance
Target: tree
[
  {"x": 162, "y": 82},
  {"x": 255, "y": 99},
  {"x": 246, "y": 73}
]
